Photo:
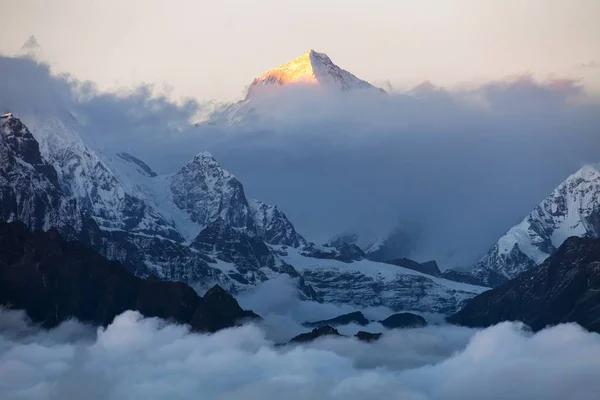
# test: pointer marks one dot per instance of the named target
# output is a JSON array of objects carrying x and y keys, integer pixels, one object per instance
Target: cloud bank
[
  {"x": 453, "y": 168},
  {"x": 151, "y": 359}
]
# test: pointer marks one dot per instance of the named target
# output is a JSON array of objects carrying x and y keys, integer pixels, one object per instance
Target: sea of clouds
[
  {"x": 149, "y": 358},
  {"x": 139, "y": 358}
]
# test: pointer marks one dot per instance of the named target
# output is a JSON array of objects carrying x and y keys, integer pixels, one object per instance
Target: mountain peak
[{"x": 313, "y": 68}]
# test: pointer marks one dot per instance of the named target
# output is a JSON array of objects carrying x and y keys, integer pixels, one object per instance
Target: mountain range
[
  {"x": 198, "y": 226},
  {"x": 195, "y": 226}
]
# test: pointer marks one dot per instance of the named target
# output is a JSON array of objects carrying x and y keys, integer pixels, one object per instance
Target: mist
[
  {"x": 142, "y": 358},
  {"x": 453, "y": 168}
]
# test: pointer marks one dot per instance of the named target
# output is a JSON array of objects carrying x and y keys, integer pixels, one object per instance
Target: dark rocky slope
[
  {"x": 403, "y": 320},
  {"x": 53, "y": 280},
  {"x": 565, "y": 288}
]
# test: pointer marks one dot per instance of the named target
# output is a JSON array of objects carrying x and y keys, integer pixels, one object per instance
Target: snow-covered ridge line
[{"x": 572, "y": 209}]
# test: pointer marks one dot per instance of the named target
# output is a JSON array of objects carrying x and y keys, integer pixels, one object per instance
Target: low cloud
[
  {"x": 150, "y": 359},
  {"x": 453, "y": 168}
]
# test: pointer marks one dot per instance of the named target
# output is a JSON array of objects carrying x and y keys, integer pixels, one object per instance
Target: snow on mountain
[
  {"x": 195, "y": 226},
  {"x": 142, "y": 167},
  {"x": 272, "y": 225},
  {"x": 29, "y": 186},
  {"x": 206, "y": 192},
  {"x": 572, "y": 209},
  {"x": 88, "y": 179},
  {"x": 370, "y": 283},
  {"x": 312, "y": 69}
]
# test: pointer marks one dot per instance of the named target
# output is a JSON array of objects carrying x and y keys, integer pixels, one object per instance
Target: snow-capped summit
[
  {"x": 572, "y": 209},
  {"x": 310, "y": 68},
  {"x": 263, "y": 99}
]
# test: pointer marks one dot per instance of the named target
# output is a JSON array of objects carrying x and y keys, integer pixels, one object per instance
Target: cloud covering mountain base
[{"x": 137, "y": 358}]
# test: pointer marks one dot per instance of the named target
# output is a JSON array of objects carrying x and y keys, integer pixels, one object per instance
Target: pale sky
[{"x": 213, "y": 49}]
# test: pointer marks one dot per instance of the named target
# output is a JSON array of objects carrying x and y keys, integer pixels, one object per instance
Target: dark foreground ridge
[
  {"x": 54, "y": 280},
  {"x": 564, "y": 288}
]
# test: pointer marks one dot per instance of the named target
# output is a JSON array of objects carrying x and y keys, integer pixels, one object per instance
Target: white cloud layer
[{"x": 137, "y": 358}]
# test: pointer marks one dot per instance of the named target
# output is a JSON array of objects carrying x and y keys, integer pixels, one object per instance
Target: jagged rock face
[
  {"x": 248, "y": 253},
  {"x": 29, "y": 188},
  {"x": 564, "y": 288},
  {"x": 403, "y": 320},
  {"x": 206, "y": 192},
  {"x": 54, "y": 280},
  {"x": 572, "y": 209},
  {"x": 89, "y": 181},
  {"x": 273, "y": 226}
]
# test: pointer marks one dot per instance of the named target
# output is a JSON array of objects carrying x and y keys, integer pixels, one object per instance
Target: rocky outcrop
[
  {"x": 404, "y": 320},
  {"x": 564, "y": 288},
  {"x": 356, "y": 317},
  {"x": 207, "y": 192},
  {"x": 322, "y": 331},
  {"x": 273, "y": 226},
  {"x": 247, "y": 253},
  {"x": 54, "y": 280},
  {"x": 368, "y": 337}
]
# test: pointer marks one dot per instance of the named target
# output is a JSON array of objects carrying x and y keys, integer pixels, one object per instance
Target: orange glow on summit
[
  {"x": 299, "y": 70},
  {"x": 310, "y": 68}
]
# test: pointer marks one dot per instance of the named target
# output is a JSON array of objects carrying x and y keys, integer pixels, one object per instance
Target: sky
[{"x": 211, "y": 50}]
